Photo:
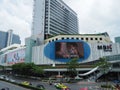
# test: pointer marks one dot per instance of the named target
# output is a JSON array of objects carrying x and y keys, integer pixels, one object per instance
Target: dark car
[
  {"x": 40, "y": 86},
  {"x": 6, "y": 88}
]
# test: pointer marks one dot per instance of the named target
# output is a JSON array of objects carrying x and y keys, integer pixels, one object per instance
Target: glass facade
[
  {"x": 16, "y": 39},
  {"x": 61, "y": 20},
  {"x": 113, "y": 58},
  {"x": 58, "y": 18},
  {"x": 4, "y": 39},
  {"x": 29, "y": 42},
  {"x": 117, "y": 39}
]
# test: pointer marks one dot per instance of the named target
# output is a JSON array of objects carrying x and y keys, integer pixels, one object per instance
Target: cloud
[
  {"x": 94, "y": 16},
  {"x": 16, "y": 15},
  {"x": 97, "y": 16}
]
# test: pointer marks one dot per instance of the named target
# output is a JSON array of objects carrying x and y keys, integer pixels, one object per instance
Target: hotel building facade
[{"x": 53, "y": 17}]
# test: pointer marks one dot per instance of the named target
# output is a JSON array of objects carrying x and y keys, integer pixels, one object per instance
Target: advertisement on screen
[
  {"x": 65, "y": 50},
  {"x": 68, "y": 50},
  {"x": 17, "y": 56}
]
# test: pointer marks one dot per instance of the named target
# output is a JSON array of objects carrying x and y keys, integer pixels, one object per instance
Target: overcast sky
[{"x": 95, "y": 16}]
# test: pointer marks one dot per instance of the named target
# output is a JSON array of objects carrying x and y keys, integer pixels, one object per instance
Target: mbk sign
[{"x": 105, "y": 47}]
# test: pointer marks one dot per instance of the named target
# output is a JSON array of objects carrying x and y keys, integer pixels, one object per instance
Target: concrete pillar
[{"x": 58, "y": 72}]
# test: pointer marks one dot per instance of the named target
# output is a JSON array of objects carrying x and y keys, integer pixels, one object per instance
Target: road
[
  {"x": 35, "y": 82},
  {"x": 72, "y": 86},
  {"x": 10, "y": 86}
]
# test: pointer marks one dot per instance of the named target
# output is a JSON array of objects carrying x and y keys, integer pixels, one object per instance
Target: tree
[
  {"x": 38, "y": 71},
  {"x": 71, "y": 67},
  {"x": 27, "y": 69},
  {"x": 18, "y": 68},
  {"x": 104, "y": 66}
]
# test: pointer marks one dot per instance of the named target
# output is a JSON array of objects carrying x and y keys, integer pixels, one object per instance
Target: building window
[
  {"x": 62, "y": 38},
  {"x": 56, "y": 38},
  {"x": 72, "y": 38},
  {"x": 52, "y": 39},
  {"x": 96, "y": 39},
  {"x": 91, "y": 38},
  {"x": 86, "y": 38},
  {"x": 67, "y": 37},
  {"x": 82, "y": 38},
  {"x": 49, "y": 41},
  {"x": 100, "y": 38},
  {"x": 77, "y": 38}
]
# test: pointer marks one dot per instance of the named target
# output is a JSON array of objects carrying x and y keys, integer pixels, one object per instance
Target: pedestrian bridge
[{"x": 113, "y": 58}]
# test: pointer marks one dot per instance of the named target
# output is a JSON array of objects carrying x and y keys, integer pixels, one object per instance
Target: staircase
[{"x": 99, "y": 74}]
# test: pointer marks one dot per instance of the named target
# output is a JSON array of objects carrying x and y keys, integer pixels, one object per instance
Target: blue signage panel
[{"x": 65, "y": 50}]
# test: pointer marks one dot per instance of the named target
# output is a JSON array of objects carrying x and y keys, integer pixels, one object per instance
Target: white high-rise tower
[{"x": 53, "y": 17}]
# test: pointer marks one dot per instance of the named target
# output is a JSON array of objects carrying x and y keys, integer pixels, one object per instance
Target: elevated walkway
[
  {"x": 92, "y": 75},
  {"x": 113, "y": 58},
  {"x": 89, "y": 72}
]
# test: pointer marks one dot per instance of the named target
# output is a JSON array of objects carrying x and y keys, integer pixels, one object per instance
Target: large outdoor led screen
[{"x": 67, "y": 50}]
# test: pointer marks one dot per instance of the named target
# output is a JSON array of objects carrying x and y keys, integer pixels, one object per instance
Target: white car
[
  {"x": 6, "y": 78},
  {"x": 2, "y": 76},
  {"x": 11, "y": 80}
]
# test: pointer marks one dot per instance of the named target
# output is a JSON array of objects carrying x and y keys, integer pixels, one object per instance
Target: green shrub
[{"x": 107, "y": 86}]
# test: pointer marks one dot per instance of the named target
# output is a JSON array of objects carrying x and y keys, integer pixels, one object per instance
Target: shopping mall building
[
  {"x": 55, "y": 23},
  {"x": 55, "y": 40},
  {"x": 90, "y": 47},
  {"x": 58, "y": 50}
]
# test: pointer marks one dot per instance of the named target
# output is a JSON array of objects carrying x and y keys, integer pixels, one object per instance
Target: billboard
[
  {"x": 65, "y": 50},
  {"x": 17, "y": 56},
  {"x": 68, "y": 50}
]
